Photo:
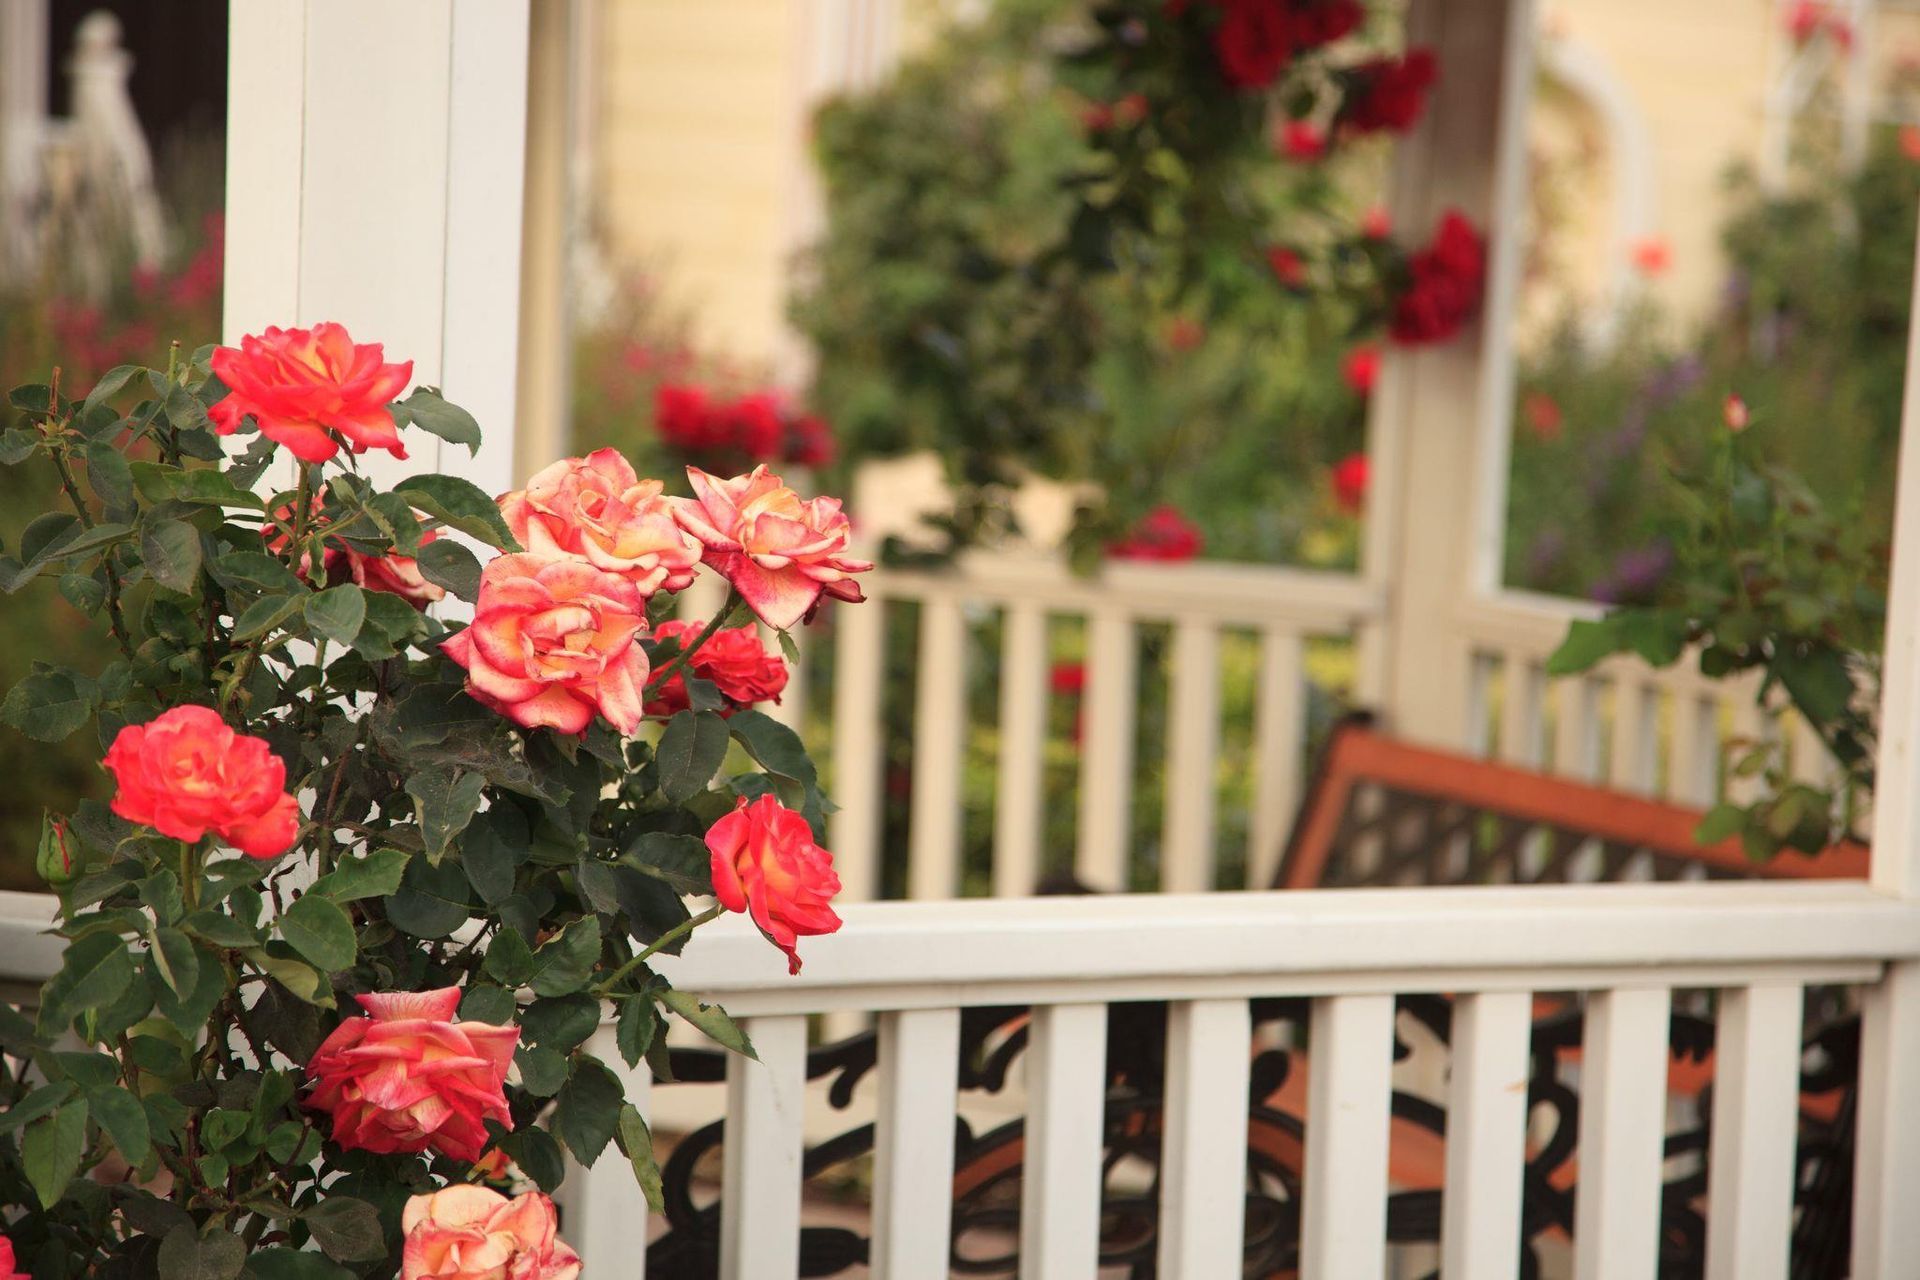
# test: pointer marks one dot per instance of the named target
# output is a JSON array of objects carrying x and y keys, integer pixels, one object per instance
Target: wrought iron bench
[{"x": 1379, "y": 812}]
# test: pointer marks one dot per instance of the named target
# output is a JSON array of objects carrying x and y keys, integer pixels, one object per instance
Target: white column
[
  {"x": 1886, "y": 1230},
  {"x": 375, "y": 162},
  {"x": 23, "y": 116},
  {"x": 1438, "y": 433}
]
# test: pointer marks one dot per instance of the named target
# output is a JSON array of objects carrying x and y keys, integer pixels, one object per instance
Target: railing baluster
[
  {"x": 761, "y": 1152},
  {"x": 939, "y": 745},
  {"x": 1278, "y": 729},
  {"x": 1344, "y": 1223},
  {"x": 1635, "y": 734},
  {"x": 1066, "y": 1112},
  {"x": 1694, "y": 768},
  {"x": 1522, "y": 713},
  {"x": 1023, "y": 731},
  {"x": 1886, "y": 1184},
  {"x": 859, "y": 677},
  {"x": 1203, "y": 1170},
  {"x": 913, "y": 1143},
  {"x": 1193, "y": 743},
  {"x": 1576, "y": 736},
  {"x": 1623, "y": 1109},
  {"x": 606, "y": 1210},
  {"x": 1106, "y": 760},
  {"x": 1751, "y": 1167},
  {"x": 1486, "y": 1135},
  {"x": 1477, "y": 731}
]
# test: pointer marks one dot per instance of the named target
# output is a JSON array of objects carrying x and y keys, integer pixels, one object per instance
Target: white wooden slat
[
  {"x": 1486, "y": 1135},
  {"x": 1623, "y": 1108},
  {"x": 1066, "y": 1111},
  {"x": 606, "y": 1213},
  {"x": 1203, "y": 1165},
  {"x": 859, "y": 676},
  {"x": 913, "y": 1142},
  {"x": 479, "y": 364},
  {"x": 1522, "y": 711},
  {"x": 1693, "y": 770},
  {"x": 1751, "y": 1167},
  {"x": 939, "y": 748},
  {"x": 1886, "y": 1227},
  {"x": 1020, "y": 792},
  {"x": 1632, "y": 755},
  {"x": 266, "y": 111},
  {"x": 1279, "y": 731},
  {"x": 1812, "y": 762},
  {"x": 1751, "y": 727},
  {"x": 1106, "y": 761},
  {"x": 1344, "y": 1203},
  {"x": 761, "y": 1153},
  {"x": 1193, "y": 744},
  {"x": 1477, "y": 730},
  {"x": 1576, "y": 728}
]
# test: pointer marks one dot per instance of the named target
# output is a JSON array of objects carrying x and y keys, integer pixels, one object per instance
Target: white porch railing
[{"x": 1628, "y": 947}]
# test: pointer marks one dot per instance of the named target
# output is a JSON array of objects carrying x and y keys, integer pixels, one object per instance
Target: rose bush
[{"x": 369, "y": 878}]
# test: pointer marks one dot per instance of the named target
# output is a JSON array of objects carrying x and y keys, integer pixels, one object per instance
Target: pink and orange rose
[
  {"x": 396, "y": 575},
  {"x": 766, "y": 864},
  {"x": 9, "y": 1267},
  {"x": 780, "y": 552},
  {"x": 186, "y": 772},
  {"x": 595, "y": 509},
  {"x": 311, "y": 390},
  {"x": 553, "y": 642},
  {"x": 734, "y": 660},
  {"x": 475, "y": 1233},
  {"x": 408, "y": 1077}
]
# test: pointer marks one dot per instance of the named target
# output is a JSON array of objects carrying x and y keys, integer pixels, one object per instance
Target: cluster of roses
[
  {"x": 555, "y": 640},
  {"x": 757, "y": 427}
]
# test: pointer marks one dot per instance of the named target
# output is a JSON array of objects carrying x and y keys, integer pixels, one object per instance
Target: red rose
[
  {"x": 1162, "y": 534},
  {"x": 766, "y": 865},
  {"x": 1288, "y": 266},
  {"x": 1067, "y": 679},
  {"x": 752, "y": 424},
  {"x": 1184, "y": 333},
  {"x": 1318, "y": 22},
  {"x": 1254, "y": 42},
  {"x": 309, "y": 389},
  {"x": 1910, "y": 141},
  {"x": 186, "y": 772},
  {"x": 685, "y": 420},
  {"x": 1302, "y": 140},
  {"x": 734, "y": 660},
  {"x": 1361, "y": 368},
  {"x": 1350, "y": 483},
  {"x": 1735, "y": 414},
  {"x": 8, "y": 1266},
  {"x": 1652, "y": 256},
  {"x": 1376, "y": 223},
  {"x": 1543, "y": 415},
  {"x": 1388, "y": 94},
  {"x": 408, "y": 1076},
  {"x": 1445, "y": 289}
]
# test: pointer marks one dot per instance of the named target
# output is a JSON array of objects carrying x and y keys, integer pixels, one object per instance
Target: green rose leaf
[
  {"x": 1587, "y": 643},
  {"x": 483, "y": 1003},
  {"x": 535, "y": 1152},
  {"x": 634, "y": 1033},
  {"x": 266, "y": 613},
  {"x": 171, "y": 552},
  {"x": 124, "y": 1119},
  {"x": 203, "y": 486},
  {"x": 374, "y": 875},
  {"x": 448, "y": 564},
  {"x": 187, "y": 1255},
  {"x": 49, "y": 705},
  {"x": 320, "y": 931},
  {"x": 691, "y": 751},
  {"x": 561, "y": 1023},
  {"x": 51, "y": 1148},
  {"x": 337, "y": 613},
  {"x": 683, "y": 862},
  {"x": 636, "y": 1143},
  {"x": 588, "y": 1110},
  {"x": 446, "y": 798},
  {"x": 432, "y": 900},
  {"x": 718, "y": 1025},
  {"x": 461, "y": 505},
  {"x": 542, "y": 1070},
  {"x": 111, "y": 384},
  {"x": 108, "y": 473},
  {"x": 346, "y": 1229},
  {"x": 298, "y": 978},
  {"x": 509, "y": 959},
  {"x": 427, "y": 410},
  {"x": 95, "y": 971},
  {"x": 562, "y": 965}
]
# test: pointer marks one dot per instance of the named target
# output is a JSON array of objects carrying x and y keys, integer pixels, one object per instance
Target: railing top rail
[
  {"x": 1227, "y": 593},
  {"x": 977, "y": 951}
]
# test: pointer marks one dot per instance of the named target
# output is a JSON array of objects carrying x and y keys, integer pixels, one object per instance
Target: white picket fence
[{"x": 1629, "y": 947}]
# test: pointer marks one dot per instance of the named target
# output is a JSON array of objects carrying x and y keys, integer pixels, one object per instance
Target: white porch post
[
  {"x": 375, "y": 161},
  {"x": 1886, "y": 1230},
  {"x": 1438, "y": 434}
]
